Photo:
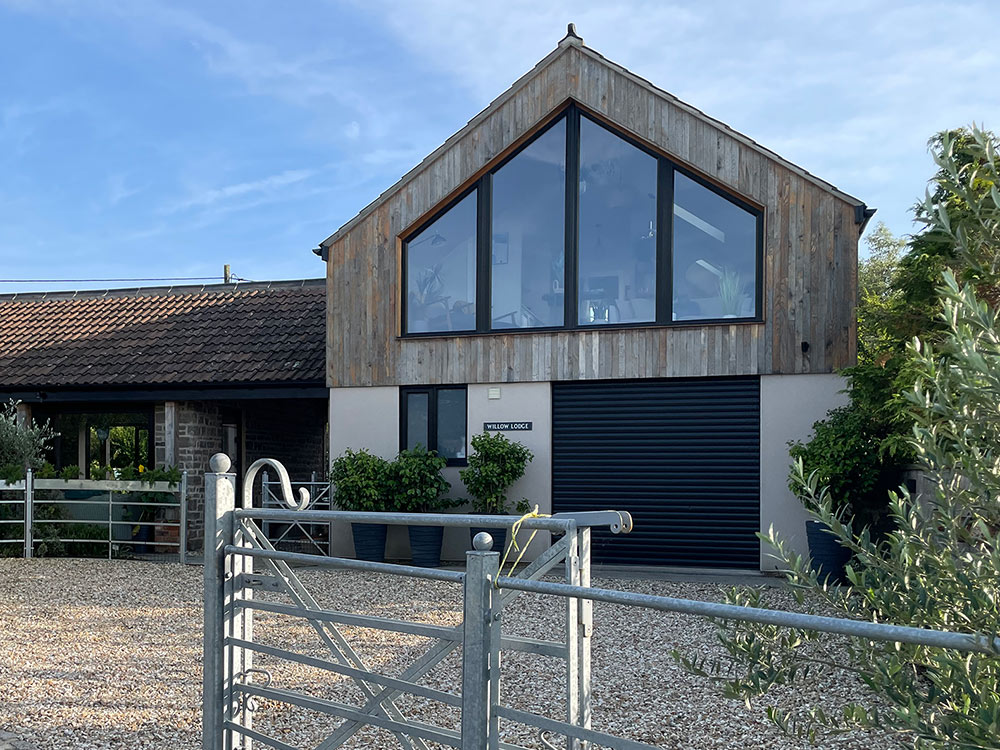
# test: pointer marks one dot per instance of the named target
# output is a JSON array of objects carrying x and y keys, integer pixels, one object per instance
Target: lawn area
[{"x": 107, "y": 654}]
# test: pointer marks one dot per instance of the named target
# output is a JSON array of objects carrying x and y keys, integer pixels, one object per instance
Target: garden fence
[
  {"x": 89, "y": 518},
  {"x": 234, "y": 542}
]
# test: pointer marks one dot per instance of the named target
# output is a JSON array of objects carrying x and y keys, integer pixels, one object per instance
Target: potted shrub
[
  {"x": 495, "y": 464},
  {"x": 419, "y": 488},
  {"x": 844, "y": 454},
  {"x": 361, "y": 483}
]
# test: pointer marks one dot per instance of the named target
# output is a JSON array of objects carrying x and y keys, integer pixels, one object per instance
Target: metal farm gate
[
  {"x": 234, "y": 541},
  {"x": 230, "y": 580}
]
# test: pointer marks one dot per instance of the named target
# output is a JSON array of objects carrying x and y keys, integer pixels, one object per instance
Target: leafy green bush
[
  {"x": 495, "y": 464},
  {"x": 845, "y": 455},
  {"x": 416, "y": 484},
  {"x": 362, "y": 482},
  {"x": 936, "y": 566}
]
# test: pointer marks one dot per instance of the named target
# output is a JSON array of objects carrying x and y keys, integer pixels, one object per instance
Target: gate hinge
[{"x": 254, "y": 581}]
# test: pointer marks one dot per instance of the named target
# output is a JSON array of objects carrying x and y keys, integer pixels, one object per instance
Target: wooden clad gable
[{"x": 810, "y": 253}]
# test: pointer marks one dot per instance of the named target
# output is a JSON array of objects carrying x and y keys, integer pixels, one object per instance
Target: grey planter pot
[{"x": 369, "y": 541}]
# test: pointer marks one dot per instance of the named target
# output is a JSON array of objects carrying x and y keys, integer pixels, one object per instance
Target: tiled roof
[{"x": 271, "y": 332}]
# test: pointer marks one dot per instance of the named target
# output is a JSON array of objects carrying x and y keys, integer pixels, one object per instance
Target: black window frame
[
  {"x": 666, "y": 167},
  {"x": 432, "y": 417}
]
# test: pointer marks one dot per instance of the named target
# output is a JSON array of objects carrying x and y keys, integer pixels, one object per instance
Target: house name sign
[{"x": 506, "y": 426}]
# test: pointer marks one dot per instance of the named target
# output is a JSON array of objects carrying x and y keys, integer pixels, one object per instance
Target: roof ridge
[
  {"x": 173, "y": 290},
  {"x": 571, "y": 41}
]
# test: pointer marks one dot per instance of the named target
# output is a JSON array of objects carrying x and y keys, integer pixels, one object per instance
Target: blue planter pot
[
  {"x": 425, "y": 545},
  {"x": 369, "y": 541},
  {"x": 828, "y": 556}
]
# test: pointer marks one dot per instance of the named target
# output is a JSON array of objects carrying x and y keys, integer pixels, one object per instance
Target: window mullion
[
  {"x": 570, "y": 260},
  {"x": 664, "y": 241},
  {"x": 484, "y": 251}
]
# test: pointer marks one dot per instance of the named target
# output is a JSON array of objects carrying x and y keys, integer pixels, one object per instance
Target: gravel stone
[{"x": 98, "y": 654}]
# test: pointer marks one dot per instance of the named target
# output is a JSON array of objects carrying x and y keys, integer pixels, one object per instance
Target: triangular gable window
[{"x": 583, "y": 227}]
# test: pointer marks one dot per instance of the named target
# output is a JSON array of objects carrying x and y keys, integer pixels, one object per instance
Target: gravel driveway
[{"x": 99, "y": 654}]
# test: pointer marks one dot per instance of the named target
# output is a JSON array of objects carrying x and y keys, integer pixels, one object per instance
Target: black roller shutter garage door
[{"x": 682, "y": 456}]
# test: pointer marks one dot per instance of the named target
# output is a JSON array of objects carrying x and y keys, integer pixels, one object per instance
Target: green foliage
[
  {"x": 48, "y": 471},
  {"x": 844, "y": 454},
  {"x": 879, "y": 296},
  {"x": 495, "y": 464},
  {"x": 935, "y": 568},
  {"x": 362, "y": 482},
  {"x": 897, "y": 300},
  {"x": 936, "y": 565},
  {"x": 21, "y": 445},
  {"x": 416, "y": 482},
  {"x": 171, "y": 474}
]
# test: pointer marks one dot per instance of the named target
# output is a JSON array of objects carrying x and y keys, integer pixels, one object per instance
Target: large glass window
[
  {"x": 528, "y": 236},
  {"x": 441, "y": 272},
  {"x": 435, "y": 417},
  {"x": 582, "y": 227},
  {"x": 617, "y": 230},
  {"x": 714, "y": 254}
]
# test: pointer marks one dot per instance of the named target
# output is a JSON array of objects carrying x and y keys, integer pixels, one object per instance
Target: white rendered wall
[
  {"x": 520, "y": 402},
  {"x": 366, "y": 417},
  {"x": 789, "y": 405}
]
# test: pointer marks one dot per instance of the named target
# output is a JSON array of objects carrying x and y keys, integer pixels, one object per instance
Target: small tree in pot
[
  {"x": 420, "y": 488},
  {"x": 362, "y": 483},
  {"x": 495, "y": 464}
]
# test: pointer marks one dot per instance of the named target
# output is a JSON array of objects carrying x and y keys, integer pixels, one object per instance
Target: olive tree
[
  {"x": 937, "y": 564},
  {"x": 22, "y": 445}
]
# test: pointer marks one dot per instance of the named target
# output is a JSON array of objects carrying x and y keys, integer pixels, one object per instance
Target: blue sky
[{"x": 146, "y": 138}]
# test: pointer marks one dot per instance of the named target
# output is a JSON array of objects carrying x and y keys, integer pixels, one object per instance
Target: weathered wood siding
[{"x": 810, "y": 257}]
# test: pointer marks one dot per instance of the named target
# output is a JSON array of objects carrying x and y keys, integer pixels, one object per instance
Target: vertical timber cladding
[{"x": 682, "y": 456}]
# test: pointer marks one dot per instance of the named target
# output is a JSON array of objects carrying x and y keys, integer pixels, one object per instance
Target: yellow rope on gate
[{"x": 513, "y": 539}]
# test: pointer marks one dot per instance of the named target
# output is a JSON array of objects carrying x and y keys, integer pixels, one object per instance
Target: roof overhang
[{"x": 197, "y": 392}]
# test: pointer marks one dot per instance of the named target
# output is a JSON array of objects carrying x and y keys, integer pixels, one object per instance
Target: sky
[{"x": 154, "y": 139}]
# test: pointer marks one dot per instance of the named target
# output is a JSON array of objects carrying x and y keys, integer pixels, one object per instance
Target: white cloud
[
  {"x": 254, "y": 189},
  {"x": 851, "y": 90}
]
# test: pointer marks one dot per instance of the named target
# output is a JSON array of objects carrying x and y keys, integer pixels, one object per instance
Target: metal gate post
[
  {"x": 586, "y": 607},
  {"x": 480, "y": 648},
  {"x": 220, "y": 501},
  {"x": 572, "y": 567},
  {"x": 182, "y": 538},
  {"x": 29, "y": 511}
]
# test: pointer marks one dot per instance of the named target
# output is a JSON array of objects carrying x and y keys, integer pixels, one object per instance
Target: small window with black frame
[{"x": 434, "y": 417}]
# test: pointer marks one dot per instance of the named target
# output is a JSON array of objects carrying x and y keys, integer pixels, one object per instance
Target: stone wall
[{"x": 187, "y": 434}]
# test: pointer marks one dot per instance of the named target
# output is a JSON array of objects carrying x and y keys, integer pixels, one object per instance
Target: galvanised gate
[{"x": 231, "y": 682}]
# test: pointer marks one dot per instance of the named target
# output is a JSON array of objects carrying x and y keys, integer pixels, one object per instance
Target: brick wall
[
  {"x": 292, "y": 431},
  {"x": 199, "y": 437}
]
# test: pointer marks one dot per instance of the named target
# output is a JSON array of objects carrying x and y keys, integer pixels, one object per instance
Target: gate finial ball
[
  {"x": 482, "y": 542},
  {"x": 220, "y": 463}
]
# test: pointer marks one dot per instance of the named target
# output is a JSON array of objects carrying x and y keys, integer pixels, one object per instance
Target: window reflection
[
  {"x": 715, "y": 255},
  {"x": 529, "y": 206},
  {"x": 451, "y": 422},
  {"x": 417, "y": 420},
  {"x": 441, "y": 272},
  {"x": 617, "y": 231}
]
